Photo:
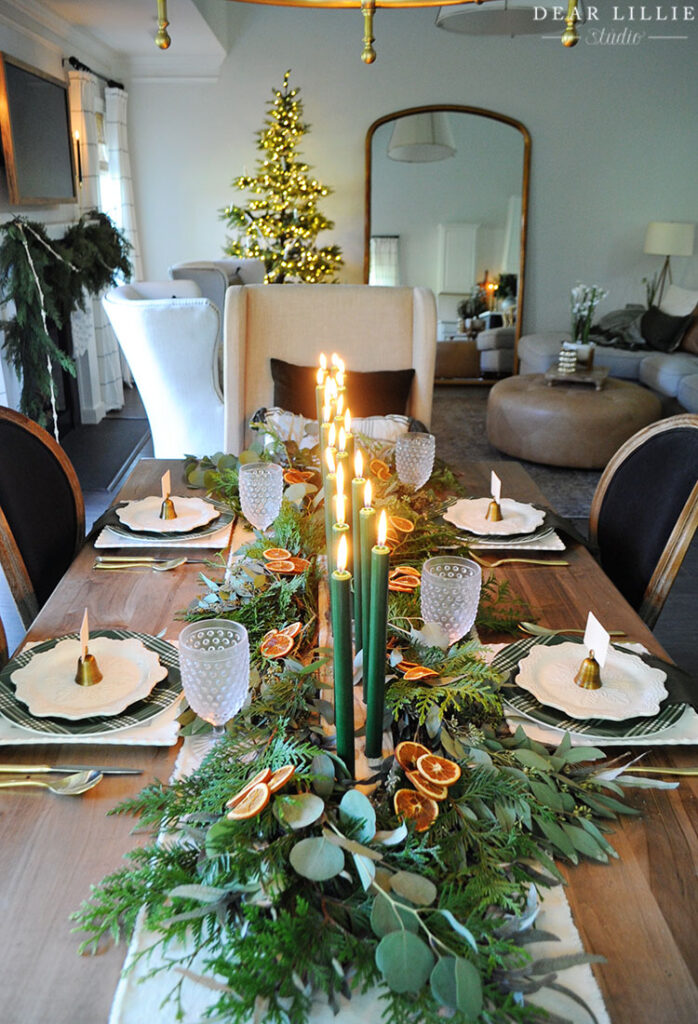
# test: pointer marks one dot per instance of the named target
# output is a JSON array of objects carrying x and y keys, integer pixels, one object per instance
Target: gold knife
[{"x": 36, "y": 769}]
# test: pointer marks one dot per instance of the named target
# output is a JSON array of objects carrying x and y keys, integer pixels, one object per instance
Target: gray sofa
[{"x": 672, "y": 375}]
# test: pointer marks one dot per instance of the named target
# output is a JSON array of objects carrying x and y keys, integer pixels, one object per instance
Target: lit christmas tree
[{"x": 282, "y": 225}]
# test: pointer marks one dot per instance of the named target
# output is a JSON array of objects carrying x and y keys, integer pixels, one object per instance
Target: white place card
[
  {"x": 495, "y": 487},
  {"x": 84, "y": 635},
  {"x": 166, "y": 483},
  {"x": 596, "y": 639}
]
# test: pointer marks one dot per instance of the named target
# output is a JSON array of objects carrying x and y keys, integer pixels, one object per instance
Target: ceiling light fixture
[
  {"x": 162, "y": 39},
  {"x": 369, "y": 7}
]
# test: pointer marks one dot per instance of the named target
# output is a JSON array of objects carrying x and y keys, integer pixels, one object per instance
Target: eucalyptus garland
[
  {"x": 47, "y": 280},
  {"x": 327, "y": 889}
]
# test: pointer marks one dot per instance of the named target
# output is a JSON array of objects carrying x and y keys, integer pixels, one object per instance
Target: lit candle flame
[
  {"x": 340, "y": 378},
  {"x": 326, "y": 411},
  {"x": 347, "y": 420},
  {"x": 340, "y": 505},
  {"x": 342, "y": 553},
  {"x": 332, "y": 435},
  {"x": 340, "y": 478},
  {"x": 329, "y": 460},
  {"x": 342, "y": 440},
  {"x": 368, "y": 494},
  {"x": 340, "y": 403},
  {"x": 334, "y": 359},
  {"x": 323, "y": 362},
  {"x": 358, "y": 464},
  {"x": 319, "y": 377},
  {"x": 84, "y": 636},
  {"x": 76, "y": 136},
  {"x": 332, "y": 383},
  {"x": 339, "y": 363},
  {"x": 382, "y": 529}
]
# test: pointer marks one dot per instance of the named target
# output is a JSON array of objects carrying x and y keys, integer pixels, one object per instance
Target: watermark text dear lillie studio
[{"x": 625, "y": 24}]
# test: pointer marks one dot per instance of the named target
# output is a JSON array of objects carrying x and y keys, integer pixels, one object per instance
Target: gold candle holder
[
  {"x": 589, "y": 674},
  {"x": 167, "y": 509},
  {"x": 494, "y": 512},
  {"x": 88, "y": 671}
]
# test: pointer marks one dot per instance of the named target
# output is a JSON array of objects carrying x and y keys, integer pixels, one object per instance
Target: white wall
[{"x": 614, "y": 143}]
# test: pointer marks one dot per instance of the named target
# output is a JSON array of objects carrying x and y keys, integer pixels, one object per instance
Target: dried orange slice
[
  {"x": 282, "y": 565},
  {"x": 406, "y": 581},
  {"x": 438, "y": 770},
  {"x": 270, "y": 633},
  {"x": 420, "y": 672},
  {"x": 307, "y": 474},
  {"x": 403, "y": 665},
  {"x": 300, "y": 564},
  {"x": 263, "y": 776},
  {"x": 398, "y": 588},
  {"x": 276, "y": 554},
  {"x": 423, "y": 786},
  {"x": 293, "y": 629},
  {"x": 419, "y": 808},
  {"x": 408, "y": 570},
  {"x": 281, "y": 777},
  {"x": 277, "y": 646},
  {"x": 254, "y": 801},
  {"x": 402, "y": 524},
  {"x": 294, "y": 476},
  {"x": 379, "y": 468},
  {"x": 408, "y": 753}
]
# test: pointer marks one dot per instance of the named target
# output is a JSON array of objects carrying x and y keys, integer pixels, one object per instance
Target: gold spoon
[
  {"x": 164, "y": 566},
  {"x": 69, "y": 785},
  {"x": 508, "y": 561},
  {"x": 534, "y": 630}
]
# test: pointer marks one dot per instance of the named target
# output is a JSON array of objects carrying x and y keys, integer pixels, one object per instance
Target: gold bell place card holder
[
  {"x": 494, "y": 509},
  {"x": 167, "y": 509},
  {"x": 596, "y": 641},
  {"x": 88, "y": 672},
  {"x": 358, "y": 566}
]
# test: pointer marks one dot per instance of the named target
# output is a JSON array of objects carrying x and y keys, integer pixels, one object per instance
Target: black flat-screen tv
[{"x": 36, "y": 140}]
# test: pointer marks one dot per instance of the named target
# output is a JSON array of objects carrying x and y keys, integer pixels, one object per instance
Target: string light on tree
[{"x": 281, "y": 228}]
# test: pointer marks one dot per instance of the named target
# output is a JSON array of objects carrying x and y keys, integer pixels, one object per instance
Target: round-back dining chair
[
  {"x": 3, "y": 646},
  {"x": 644, "y": 512},
  {"x": 42, "y": 512}
]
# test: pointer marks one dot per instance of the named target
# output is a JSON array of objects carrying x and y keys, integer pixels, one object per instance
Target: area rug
[
  {"x": 458, "y": 422},
  {"x": 102, "y": 453}
]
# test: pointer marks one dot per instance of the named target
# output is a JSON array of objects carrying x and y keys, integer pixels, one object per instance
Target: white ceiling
[{"x": 128, "y": 28}]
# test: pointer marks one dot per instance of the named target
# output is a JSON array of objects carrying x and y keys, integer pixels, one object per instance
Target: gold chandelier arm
[
  {"x": 162, "y": 39},
  {"x": 570, "y": 37},
  {"x": 368, "y": 9}
]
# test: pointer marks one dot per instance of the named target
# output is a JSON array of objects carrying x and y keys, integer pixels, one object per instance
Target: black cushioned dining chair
[
  {"x": 3, "y": 646},
  {"x": 42, "y": 513},
  {"x": 645, "y": 511}
]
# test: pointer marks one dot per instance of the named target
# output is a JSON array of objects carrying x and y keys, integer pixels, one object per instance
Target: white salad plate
[
  {"x": 469, "y": 514},
  {"x": 46, "y": 684},
  {"x": 145, "y": 515},
  {"x": 630, "y": 688}
]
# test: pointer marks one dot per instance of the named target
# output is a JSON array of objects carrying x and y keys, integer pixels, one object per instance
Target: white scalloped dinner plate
[
  {"x": 630, "y": 688},
  {"x": 517, "y": 517},
  {"x": 46, "y": 684},
  {"x": 144, "y": 515}
]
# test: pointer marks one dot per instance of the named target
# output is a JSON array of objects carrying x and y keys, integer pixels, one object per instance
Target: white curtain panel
[
  {"x": 124, "y": 211},
  {"x": 82, "y": 93},
  {"x": 385, "y": 260}
]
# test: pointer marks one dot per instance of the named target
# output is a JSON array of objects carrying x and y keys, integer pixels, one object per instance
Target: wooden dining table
[{"x": 640, "y": 912}]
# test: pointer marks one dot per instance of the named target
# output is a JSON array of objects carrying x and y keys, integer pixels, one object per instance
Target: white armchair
[
  {"x": 372, "y": 328},
  {"x": 214, "y": 277},
  {"x": 169, "y": 336}
]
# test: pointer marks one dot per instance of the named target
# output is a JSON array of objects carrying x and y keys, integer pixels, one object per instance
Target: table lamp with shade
[{"x": 668, "y": 238}]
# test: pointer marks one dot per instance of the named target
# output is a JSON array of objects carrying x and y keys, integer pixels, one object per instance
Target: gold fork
[{"x": 508, "y": 561}]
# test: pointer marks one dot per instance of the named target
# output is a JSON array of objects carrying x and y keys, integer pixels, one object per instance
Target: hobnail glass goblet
[
  {"x": 261, "y": 487},
  {"x": 450, "y": 592},
  {"x": 414, "y": 458},
  {"x": 214, "y": 661}
]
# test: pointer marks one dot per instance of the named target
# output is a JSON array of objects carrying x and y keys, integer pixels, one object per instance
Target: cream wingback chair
[
  {"x": 169, "y": 335},
  {"x": 372, "y": 328},
  {"x": 214, "y": 277}
]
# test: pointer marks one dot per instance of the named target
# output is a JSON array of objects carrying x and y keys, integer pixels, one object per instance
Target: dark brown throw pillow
[
  {"x": 689, "y": 342},
  {"x": 663, "y": 332},
  {"x": 377, "y": 393}
]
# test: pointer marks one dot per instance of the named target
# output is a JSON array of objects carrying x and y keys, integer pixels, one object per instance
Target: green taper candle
[
  {"x": 340, "y": 528},
  {"x": 329, "y": 489},
  {"x": 377, "y": 637},
  {"x": 357, "y": 496},
  {"x": 367, "y": 538},
  {"x": 343, "y": 663},
  {"x": 319, "y": 393}
]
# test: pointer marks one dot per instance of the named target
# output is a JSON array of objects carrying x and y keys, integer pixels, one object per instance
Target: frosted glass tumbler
[
  {"x": 214, "y": 660},
  {"x": 450, "y": 594},
  {"x": 414, "y": 459},
  {"x": 261, "y": 486}
]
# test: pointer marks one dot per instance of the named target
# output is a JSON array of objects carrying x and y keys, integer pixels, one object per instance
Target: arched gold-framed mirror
[{"x": 460, "y": 211}]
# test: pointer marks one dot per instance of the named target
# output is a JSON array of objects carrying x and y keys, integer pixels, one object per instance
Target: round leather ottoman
[{"x": 566, "y": 424}]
